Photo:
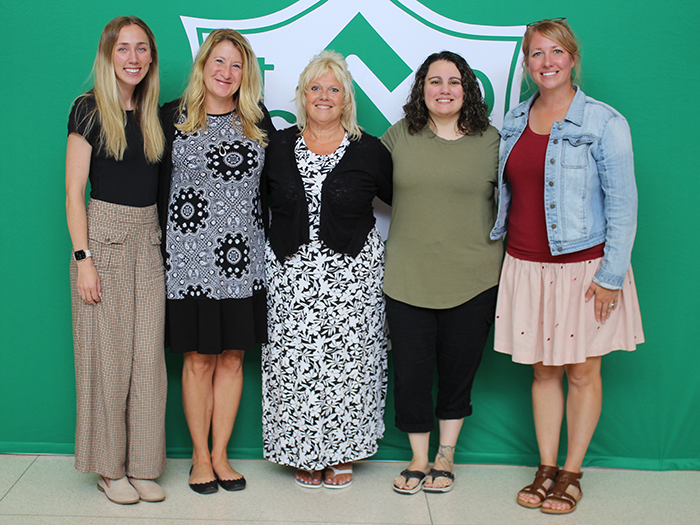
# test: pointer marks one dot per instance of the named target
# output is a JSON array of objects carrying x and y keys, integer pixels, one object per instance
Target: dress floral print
[{"x": 324, "y": 370}]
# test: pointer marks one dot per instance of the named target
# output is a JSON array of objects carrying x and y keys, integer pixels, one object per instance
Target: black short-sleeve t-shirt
[{"x": 132, "y": 181}]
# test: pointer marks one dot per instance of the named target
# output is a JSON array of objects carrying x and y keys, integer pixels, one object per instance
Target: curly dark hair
[{"x": 474, "y": 116}]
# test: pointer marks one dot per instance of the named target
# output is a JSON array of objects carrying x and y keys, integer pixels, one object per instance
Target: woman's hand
[
  {"x": 88, "y": 285},
  {"x": 605, "y": 301}
]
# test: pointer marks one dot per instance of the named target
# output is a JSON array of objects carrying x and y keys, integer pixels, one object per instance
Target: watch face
[{"x": 79, "y": 255}]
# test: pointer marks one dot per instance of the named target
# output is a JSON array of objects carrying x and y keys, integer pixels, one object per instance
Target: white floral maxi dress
[{"x": 324, "y": 369}]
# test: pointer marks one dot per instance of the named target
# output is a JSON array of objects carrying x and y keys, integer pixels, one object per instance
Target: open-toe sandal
[
  {"x": 411, "y": 474},
  {"x": 435, "y": 474},
  {"x": 337, "y": 472},
  {"x": 536, "y": 489},
  {"x": 308, "y": 485},
  {"x": 565, "y": 479}
]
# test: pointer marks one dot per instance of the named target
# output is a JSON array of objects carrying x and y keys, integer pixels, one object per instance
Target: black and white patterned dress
[
  {"x": 215, "y": 242},
  {"x": 324, "y": 369}
]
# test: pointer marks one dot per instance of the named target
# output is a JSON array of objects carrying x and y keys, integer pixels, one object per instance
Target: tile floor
[{"x": 38, "y": 490}]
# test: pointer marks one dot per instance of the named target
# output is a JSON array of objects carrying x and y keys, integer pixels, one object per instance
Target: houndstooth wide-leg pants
[{"x": 120, "y": 371}]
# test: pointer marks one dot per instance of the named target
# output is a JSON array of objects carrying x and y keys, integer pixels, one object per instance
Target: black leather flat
[
  {"x": 210, "y": 487},
  {"x": 231, "y": 484}
]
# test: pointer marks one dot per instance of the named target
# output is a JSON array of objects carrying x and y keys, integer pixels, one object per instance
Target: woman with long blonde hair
[
  {"x": 212, "y": 216},
  {"x": 115, "y": 140}
]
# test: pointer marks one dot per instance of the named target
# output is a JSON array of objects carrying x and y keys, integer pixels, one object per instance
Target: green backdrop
[{"x": 638, "y": 56}]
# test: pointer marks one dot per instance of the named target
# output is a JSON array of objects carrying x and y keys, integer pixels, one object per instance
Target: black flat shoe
[
  {"x": 231, "y": 484},
  {"x": 210, "y": 487}
]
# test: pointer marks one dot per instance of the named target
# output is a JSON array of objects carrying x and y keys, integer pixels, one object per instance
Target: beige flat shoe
[
  {"x": 119, "y": 491},
  {"x": 148, "y": 489}
]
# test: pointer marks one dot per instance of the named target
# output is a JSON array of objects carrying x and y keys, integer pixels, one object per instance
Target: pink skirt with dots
[{"x": 542, "y": 316}]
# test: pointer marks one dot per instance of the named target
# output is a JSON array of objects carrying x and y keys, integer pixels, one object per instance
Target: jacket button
[
  {"x": 560, "y": 249},
  {"x": 560, "y": 126},
  {"x": 554, "y": 226},
  {"x": 552, "y": 205},
  {"x": 556, "y": 141},
  {"x": 552, "y": 161},
  {"x": 551, "y": 183}
]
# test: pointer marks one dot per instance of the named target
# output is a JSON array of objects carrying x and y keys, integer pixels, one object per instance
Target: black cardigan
[
  {"x": 168, "y": 116},
  {"x": 347, "y": 215}
]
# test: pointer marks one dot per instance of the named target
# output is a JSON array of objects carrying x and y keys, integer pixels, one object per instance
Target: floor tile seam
[
  {"x": 19, "y": 478},
  {"x": 167, "y": 519},
  {"x": 338, "y": 522},
  {"x": 190, "y": 520},
  {"x": 427, "y": 504}
]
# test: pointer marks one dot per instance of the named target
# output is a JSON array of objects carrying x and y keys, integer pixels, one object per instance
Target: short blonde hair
[
  {"x": 319, "y": 65},
  {"x": 558, "y": 31},
  {"x": 246, "y": 98},
  {"x": 108, "y": 110}
]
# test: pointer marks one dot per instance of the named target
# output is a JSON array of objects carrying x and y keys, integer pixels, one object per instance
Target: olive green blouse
[{"x": 438, "y": 253}]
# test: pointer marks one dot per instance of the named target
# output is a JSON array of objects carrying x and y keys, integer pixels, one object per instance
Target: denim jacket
[{"x": 590, "y": 194}]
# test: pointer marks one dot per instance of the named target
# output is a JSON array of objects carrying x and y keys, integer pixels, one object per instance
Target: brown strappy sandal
[
  {"x": 558, "y": 492},
  {"x": 536, "y": 489}
]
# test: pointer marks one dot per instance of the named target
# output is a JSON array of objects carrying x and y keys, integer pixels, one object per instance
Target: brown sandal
[
  {"x": 536, "y": 489},
  {"x": 558, "y": 493}
]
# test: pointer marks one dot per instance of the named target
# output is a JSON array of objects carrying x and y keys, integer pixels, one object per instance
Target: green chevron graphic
[{"x": 359, "y": 38}]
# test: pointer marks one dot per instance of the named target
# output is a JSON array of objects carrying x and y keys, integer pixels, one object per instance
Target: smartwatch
[{"x": 81, "y": 255}]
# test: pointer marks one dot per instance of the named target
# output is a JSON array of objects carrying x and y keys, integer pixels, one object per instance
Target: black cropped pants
[{"x": 452, "y": 338}]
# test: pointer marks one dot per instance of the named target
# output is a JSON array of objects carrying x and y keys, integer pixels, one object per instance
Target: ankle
[
  {"x": 444, "y": 459},
  {"x": 443, "y": 464},
  {"x": 201, "y": 459},
  {"x": 422, "y": 465}
]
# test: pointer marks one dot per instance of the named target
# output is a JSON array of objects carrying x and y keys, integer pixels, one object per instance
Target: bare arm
[{"x": 78, "y": 154}]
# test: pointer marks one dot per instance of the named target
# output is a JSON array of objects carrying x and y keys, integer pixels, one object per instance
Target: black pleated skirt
[{"x": 210, "y": 326}]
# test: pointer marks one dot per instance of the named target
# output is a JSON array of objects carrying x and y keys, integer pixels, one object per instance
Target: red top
[{"x": 527, "y": 228}]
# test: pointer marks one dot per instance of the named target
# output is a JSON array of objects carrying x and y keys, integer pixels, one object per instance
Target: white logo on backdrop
[
  {"x": 384, "y": 42},
  {"x": 289, "y": 38}
]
